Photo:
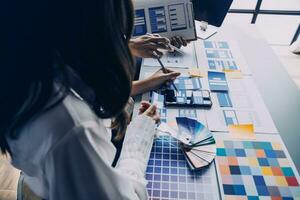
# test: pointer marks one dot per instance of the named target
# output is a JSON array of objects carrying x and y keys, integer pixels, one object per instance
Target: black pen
[{"x": 163, "y": 68}]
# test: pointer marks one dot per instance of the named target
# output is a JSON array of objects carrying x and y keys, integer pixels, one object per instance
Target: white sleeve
[
  {"x": 136, "y": 148},
  {"x": 79, "y": 167}
]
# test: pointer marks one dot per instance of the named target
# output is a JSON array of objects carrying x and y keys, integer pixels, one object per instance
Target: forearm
[{"x": 140, "y": 87}]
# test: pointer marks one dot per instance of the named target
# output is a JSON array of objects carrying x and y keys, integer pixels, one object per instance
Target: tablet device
[{"x": 167, "y": 18}]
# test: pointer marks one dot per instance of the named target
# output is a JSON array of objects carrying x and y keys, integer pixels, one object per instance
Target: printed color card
[
  {"x": 169, "y": 176},
  {"x": 224, "y": 99},
  {"x": 242, "y": 131},
  {"x": 260, "y": 169},
  {"x": 187, "y": 83},
  {"x": 158, "y": 100},
  {"x": 217, "y": 81}
]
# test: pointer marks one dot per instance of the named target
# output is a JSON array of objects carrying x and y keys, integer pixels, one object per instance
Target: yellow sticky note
[
  {"x": 195, "y": 72},
  {"x": 242, "y": 131},
  {"x": 234, "y": 74}
]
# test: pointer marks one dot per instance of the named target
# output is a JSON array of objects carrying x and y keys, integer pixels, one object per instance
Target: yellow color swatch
[
  {"x": 266, "y": 171},
  {"x": 253, "y": 162},
  {"x": 234, "y": 74},
  {"x": 281, "y": 181},
  {"x": 242, "y": 131},
  {"x": 195, "y": 72}
]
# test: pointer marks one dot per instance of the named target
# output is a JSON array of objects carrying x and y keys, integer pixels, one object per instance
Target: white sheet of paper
[
  {"x": 234, "y": 52},
  {"x": 248, "y": 106},
  {"x": 176, "y": 60}
]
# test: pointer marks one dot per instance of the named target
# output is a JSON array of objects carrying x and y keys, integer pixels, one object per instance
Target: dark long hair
[{"x": 41, "y": 38}]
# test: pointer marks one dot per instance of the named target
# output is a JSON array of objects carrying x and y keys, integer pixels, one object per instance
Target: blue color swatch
[
  {"x": 140, "y": 26},
  {"x": 224, "y": 99},
  {"x": 217, "y": 81},
  {"x": 158, "y": 19}
]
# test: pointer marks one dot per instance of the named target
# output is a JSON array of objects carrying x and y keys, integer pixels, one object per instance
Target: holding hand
[
  {"x": 153, "y": 82},
  {"x": 149, "y": 110},
  {"x": 144, "y": 46},
  {"x": 178, "y": 41},
  {"x": 159, "y": 78}
]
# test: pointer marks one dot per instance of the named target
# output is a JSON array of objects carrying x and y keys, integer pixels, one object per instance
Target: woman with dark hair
[{"x": 55, "y": 53}]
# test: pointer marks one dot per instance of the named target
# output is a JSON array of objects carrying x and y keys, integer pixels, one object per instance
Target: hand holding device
[
  {"x": 143, "y": 46},
  {"x": 149, "y": 110}
]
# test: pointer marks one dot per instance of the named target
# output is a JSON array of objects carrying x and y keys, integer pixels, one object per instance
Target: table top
[{"x": 279, "y": 92}]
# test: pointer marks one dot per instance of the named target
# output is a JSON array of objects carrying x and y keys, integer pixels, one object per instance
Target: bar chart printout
[
  {"x": 177, "y": 17},
  {"x": 158, "y": 19},
  {"x": 140, "y": 26}
]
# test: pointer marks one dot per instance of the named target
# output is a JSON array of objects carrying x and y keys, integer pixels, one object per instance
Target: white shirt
[{"x": 66, "y": 153}]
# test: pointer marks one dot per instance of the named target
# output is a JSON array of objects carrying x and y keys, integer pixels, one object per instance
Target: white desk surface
[{"x": 279, "y": 92}]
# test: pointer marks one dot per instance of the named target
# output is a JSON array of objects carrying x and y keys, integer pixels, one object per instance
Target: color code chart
[
  {"x": 256, "y": 169},
  {"x": 219, "y": 56},
  {"x": 169, "y": 176}
]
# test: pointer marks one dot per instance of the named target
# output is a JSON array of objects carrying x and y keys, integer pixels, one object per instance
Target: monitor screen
[{"x": 211, "y": 11}]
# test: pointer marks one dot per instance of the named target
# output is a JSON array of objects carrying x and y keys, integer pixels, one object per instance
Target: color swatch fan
[{"x": 198, "y": 144}]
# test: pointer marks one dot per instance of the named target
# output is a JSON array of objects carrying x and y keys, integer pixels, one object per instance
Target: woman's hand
[
  {"x": 145, "y": 45},
  {"x": 159, "y": 78},
  {"x": 178, "y": 41},
  {"x": 149, "y": 110},
  {"x": 153, "y": 82}
]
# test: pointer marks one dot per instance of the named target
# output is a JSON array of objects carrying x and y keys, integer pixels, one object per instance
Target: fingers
[
  {"x": 174, "y": 42},
  {"x": 156, "y": 118},
  {"x": 172, "y": 75},
  {"x": 164, "y": 46},
  {"x": 162, "y": 40},
  {"x": 150, "y": 111},
  {"x": 178, "y": 41},
  {"x": 183, "y": 42},
  {"x": 159, "y": 53},
  {"x": 144, "y": 106},
  {"x": 169, "y": 70}
]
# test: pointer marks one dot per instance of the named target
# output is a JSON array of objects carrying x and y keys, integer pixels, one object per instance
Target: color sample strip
[
  {"x": 230, "y": 117},
  {"x": 140, "y": 26},
  {"x": 224, "y": 99},
  {"x": 217, "y": 81},
  {"x": 195, "y": 72},
  {"x": 234, "y": 74},
  {"x": 187, "y": 83},
  {"x": 242, "y": 131},
  {"x": 159, "y": 101}
]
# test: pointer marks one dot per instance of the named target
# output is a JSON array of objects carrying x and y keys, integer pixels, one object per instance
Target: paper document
[
  {"x": 242, "y": 104},
  {"x": 221, "y": 55}
]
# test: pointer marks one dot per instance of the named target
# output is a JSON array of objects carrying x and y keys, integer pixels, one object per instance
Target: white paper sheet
[
  {"x": 222, "y": 57},
  {"x": 247, "y": 104}
]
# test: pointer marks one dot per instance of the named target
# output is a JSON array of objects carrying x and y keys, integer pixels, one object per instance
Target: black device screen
[{"x": 211, "y": 11}]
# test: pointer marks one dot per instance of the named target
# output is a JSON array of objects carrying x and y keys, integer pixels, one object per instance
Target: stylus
[{"x": 163, "y": 68}]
